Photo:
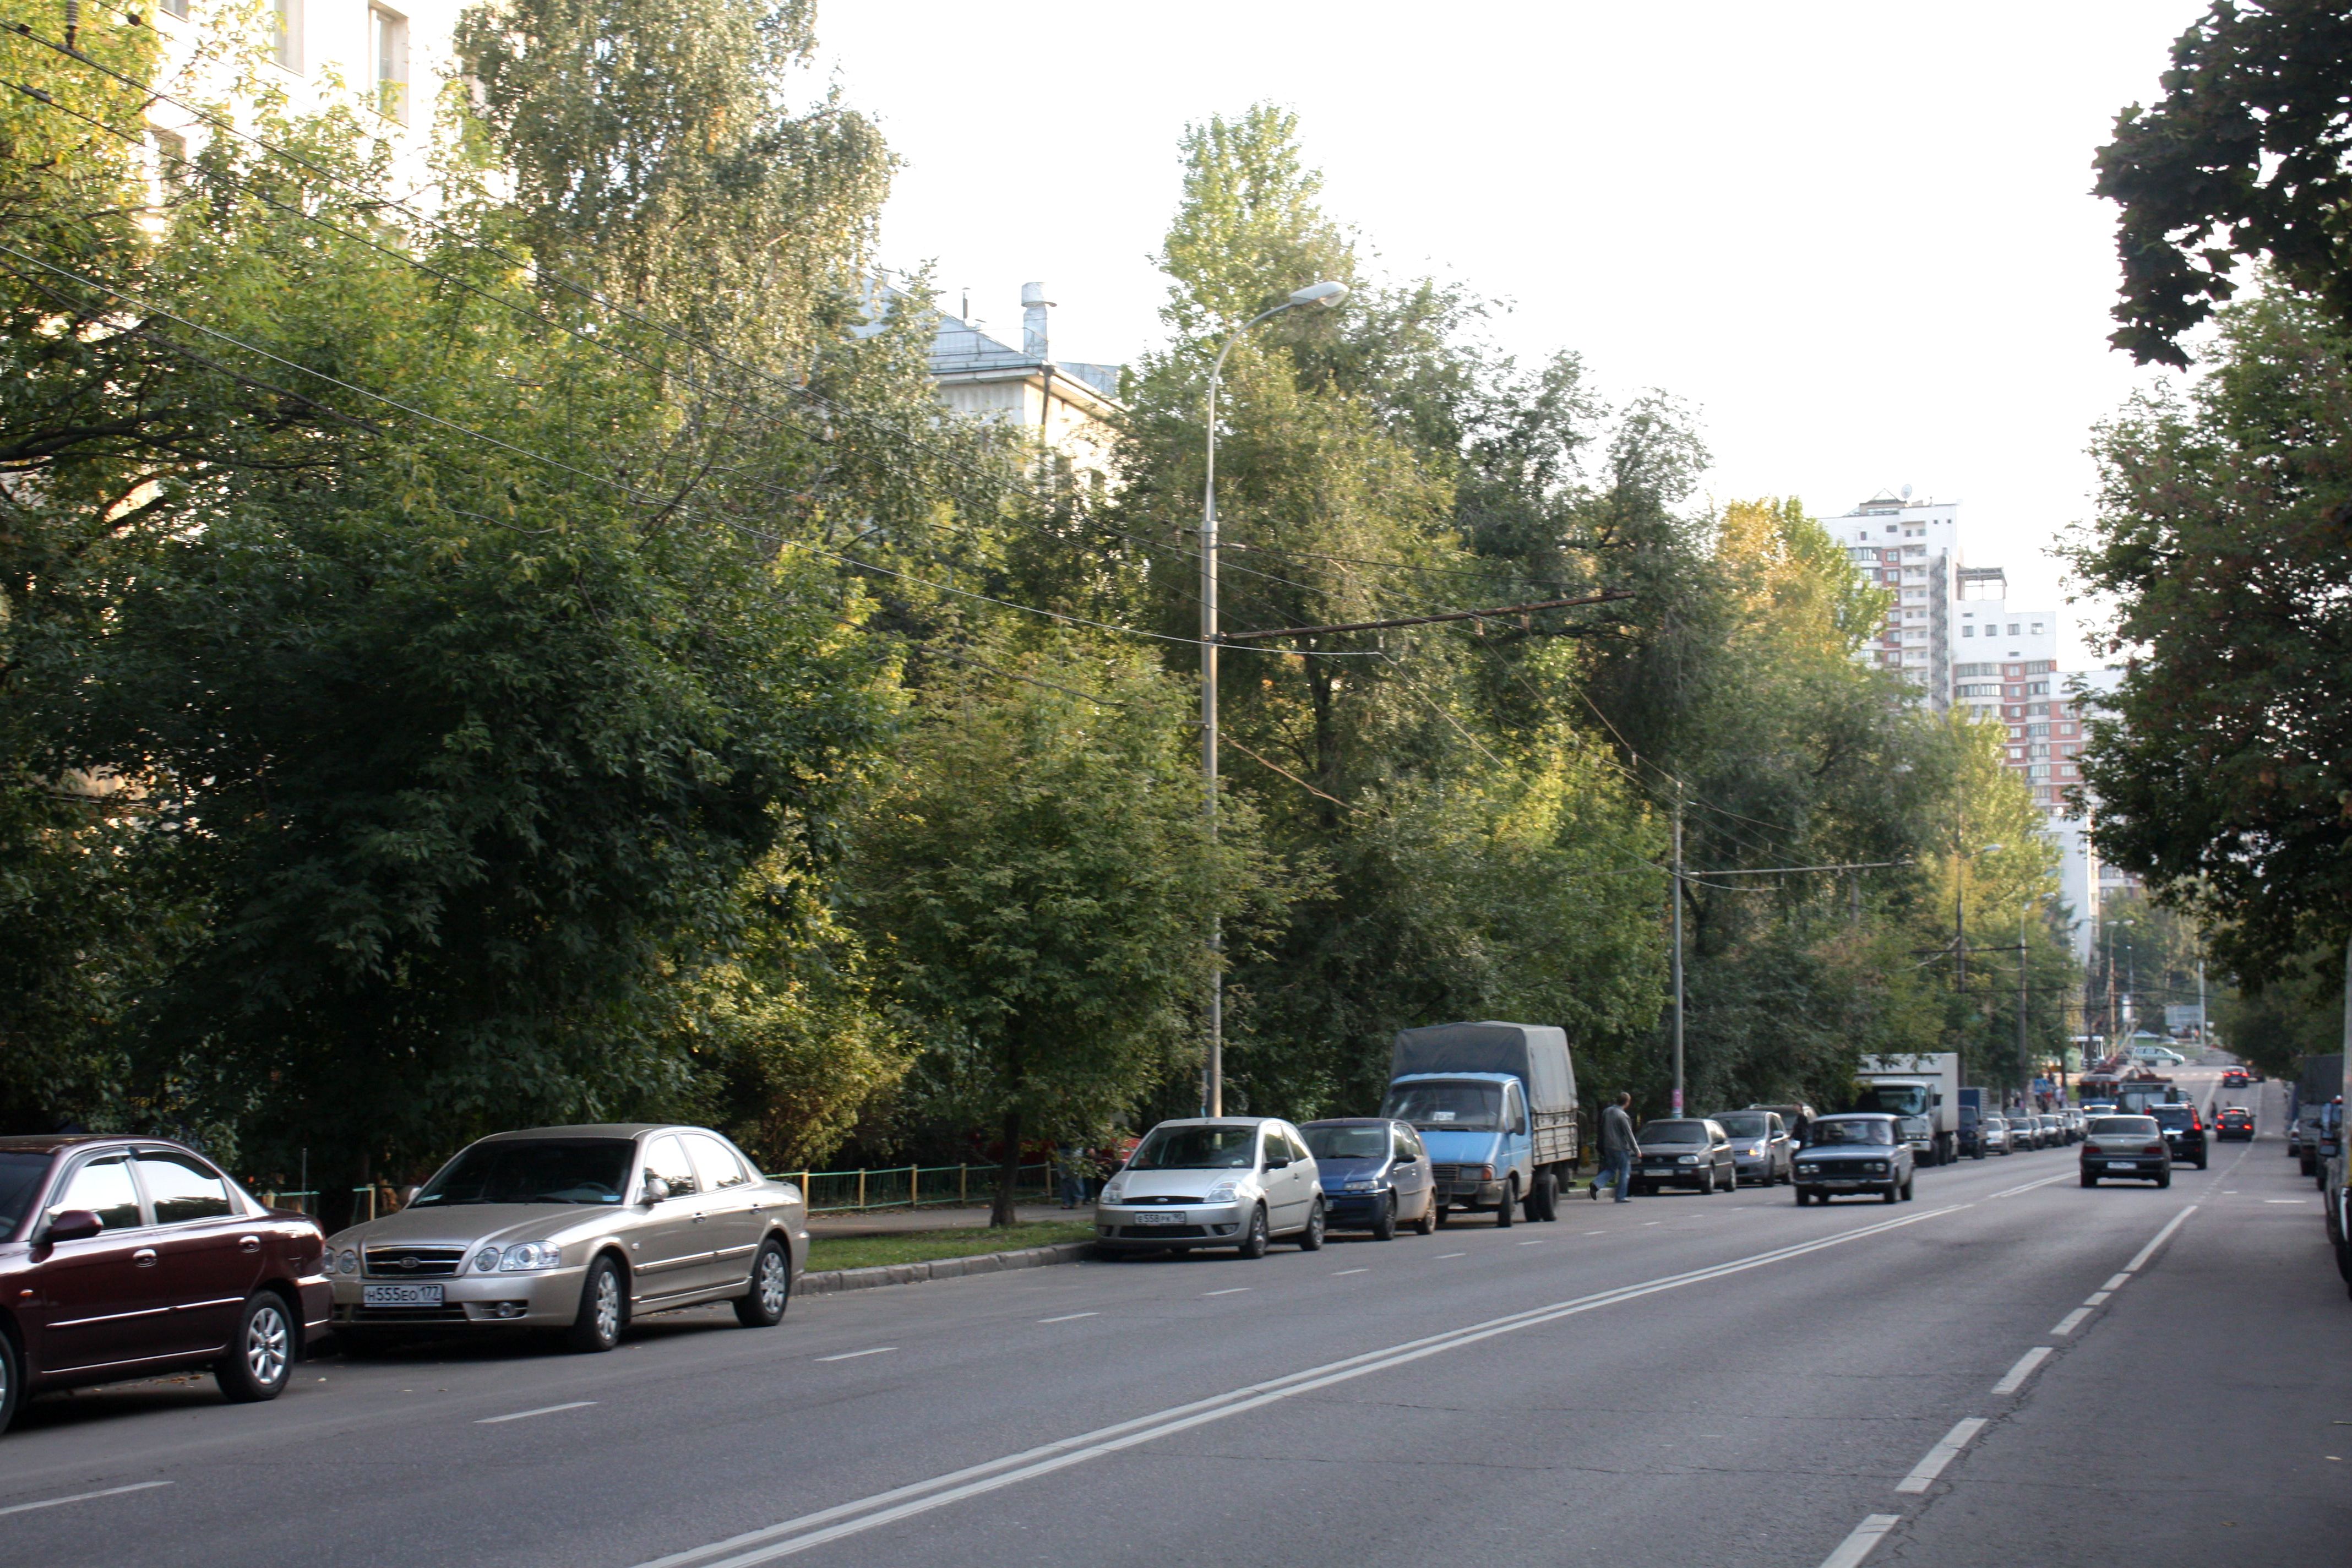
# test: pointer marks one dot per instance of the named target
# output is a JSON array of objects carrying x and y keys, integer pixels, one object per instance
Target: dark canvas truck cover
[{"x": 1535, "y": 1054}]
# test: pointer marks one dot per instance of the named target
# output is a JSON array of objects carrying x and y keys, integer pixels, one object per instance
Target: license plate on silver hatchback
[
  {"x": 1165, "y": 1216},
  {"x": 400, "y": 1295}
]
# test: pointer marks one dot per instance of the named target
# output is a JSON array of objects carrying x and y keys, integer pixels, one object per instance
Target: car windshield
[
  {"x": 1370, "y": 1143},
  {"x": 1446, "y": 1107},
  {"x": 1895, "y": 1099},
  {"x": 20, "y": 1183},
  {"x": 1864, "y": 1130},
  {"x": 2124, "y": 1126},
  {"x": 534, "y": 1171},
  {"x": 2174, "y": 1116},
  {"x": 1744, "y": 1123},
  {"x": 1197, "y": 1148},
  {"x": 1673, "y": 1131}
]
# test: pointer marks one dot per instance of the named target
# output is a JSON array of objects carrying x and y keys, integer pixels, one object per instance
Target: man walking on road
[{"x": 1618, "y": 1147}]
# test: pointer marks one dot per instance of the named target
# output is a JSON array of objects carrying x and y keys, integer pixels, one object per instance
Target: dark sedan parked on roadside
[
  {"x": 1686, "y": 1151},
  {"x": 1858, "y": 1154},
  {"x": 122, "y": 1257},
  {"x": 1376, "y": 1175}
]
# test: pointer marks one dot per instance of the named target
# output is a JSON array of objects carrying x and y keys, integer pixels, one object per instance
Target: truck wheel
[
  {"x": 1385, "y": 1227},
  {"x": 1508, "y": 1210},
  {"x": 1539, "y": 1199},
  {"x": 1907, "y": 1189}
]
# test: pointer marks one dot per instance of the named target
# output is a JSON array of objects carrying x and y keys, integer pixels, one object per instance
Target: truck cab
[
  {"x": 1495, "y": 1103},
  {"x": 1477, "y": 1129}
]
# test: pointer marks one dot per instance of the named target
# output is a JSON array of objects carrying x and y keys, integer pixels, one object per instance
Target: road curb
[{"x": 832, "y": 1281}]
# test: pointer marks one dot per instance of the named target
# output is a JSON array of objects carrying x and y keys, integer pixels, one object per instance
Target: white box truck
[{"x": 1922, "y": 1092}]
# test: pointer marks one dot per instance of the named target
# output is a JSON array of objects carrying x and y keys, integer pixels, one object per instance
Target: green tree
[
  {"x": 1036, "y": 883},
  {"x": 2224, "y": 538},
  {"x": 2244, "y": 158}
]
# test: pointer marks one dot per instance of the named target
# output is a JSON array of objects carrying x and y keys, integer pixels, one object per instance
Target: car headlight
[
  {"x": 529, "y": 1257},
  {"x": 486, "y": 1260},
  {"x": 1223, "y": 1193},
  {"x": 347, "y": 1261},
  {"x": 1878, "y": 1167},
  {"x": 1686, "y": 1160},
  {"x": 1756, "y": 1149},
  {"x": 1115, "y": 1190},
  {"x": 1363, "y": 1185}
]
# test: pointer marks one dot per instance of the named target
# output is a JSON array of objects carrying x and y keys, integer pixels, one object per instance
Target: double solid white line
[{"x": 825, "y": 1525}]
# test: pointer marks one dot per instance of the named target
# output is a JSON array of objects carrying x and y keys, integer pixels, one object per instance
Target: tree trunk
[{"x": 1008, "y": 1174}]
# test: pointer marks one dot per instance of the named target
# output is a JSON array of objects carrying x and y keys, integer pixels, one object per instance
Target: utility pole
[
  {"x": 2023, "y": 1067},
  {"x": 1678, "y": 947},
  {"x": 1214, "y": 1072}
]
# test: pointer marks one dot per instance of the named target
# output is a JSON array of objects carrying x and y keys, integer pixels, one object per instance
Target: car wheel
[
  {"x": 2089, "y": 1180},
  {"x": 12, "y": 1379},
  {"x": 1508, "y": 1210},
  {"x": 603, "y": 1309},
  {"x": 1311, "y": 1238},
  {"x": 260, "y": 1358},
  {"x": 1253, "y": 1241},
  {"x": 2165, "y": 1180},
  {"x": 1385, "y": 1227},
  {"x": 1444, "y": 1213},
  {"x": 762, "y": 1306},
  {"x": 1430, "y": 1215},
  {"x": 1803, "y": 1197},
  {"x": 1706, "y": 1182},
  {"x": 1907, "y": 1187},
  {"x": 1891, "y": 1193},
  {"x": 1733, "y": 1185},
  {"x": 2202, "y": 1161}
]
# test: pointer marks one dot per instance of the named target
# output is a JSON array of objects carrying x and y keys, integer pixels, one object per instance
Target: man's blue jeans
[{"x": 1616, "y": 1170}]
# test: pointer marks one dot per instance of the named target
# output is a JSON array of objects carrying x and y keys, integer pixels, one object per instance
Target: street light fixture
[{"x": 1321, "y": 295}]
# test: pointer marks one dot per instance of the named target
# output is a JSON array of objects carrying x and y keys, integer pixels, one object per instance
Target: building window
[
  {"x": 2037, "y": 628},
  {"x": 286, "y": 44},
  {"x": 388, "y": 44},
  {"x": 1965, "y": 631},
  {"x": 170, "y": 161},
  {"x": 177, "y": 8}
]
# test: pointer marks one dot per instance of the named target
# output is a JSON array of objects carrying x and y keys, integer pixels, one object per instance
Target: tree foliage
[
  {"x": 2224, "y": 538},
  {"x": 2247, "y": 156}
]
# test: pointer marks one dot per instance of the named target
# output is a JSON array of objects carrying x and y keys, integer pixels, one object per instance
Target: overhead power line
[{"x": 1605, "y": 597}]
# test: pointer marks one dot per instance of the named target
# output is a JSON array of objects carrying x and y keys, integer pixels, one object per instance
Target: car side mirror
[
  {"x": 1278, "y": 1162},
  {"x": 73, "y": 1225},
  {"x": 656, "y": 1190},
  {"x": 408, "y": 1195}
]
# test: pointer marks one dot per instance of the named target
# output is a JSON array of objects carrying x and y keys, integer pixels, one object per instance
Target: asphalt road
[{"x": 2008, "y": 1370}]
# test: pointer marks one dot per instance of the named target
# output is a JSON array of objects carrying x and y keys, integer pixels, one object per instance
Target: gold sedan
[{"x": 577, "y": 1230}]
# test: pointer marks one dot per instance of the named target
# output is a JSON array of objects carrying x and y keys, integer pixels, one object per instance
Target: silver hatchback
[
  {"x": 576, "y": 1229},
  {"x": 1226, "y": 1181}
]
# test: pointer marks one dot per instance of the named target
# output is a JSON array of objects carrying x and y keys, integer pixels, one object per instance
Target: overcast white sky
[{"x": 1857, "y": 237}]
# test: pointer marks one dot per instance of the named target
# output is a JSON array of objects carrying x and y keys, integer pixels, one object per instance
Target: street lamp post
[{"x": 1321, "y": 294}]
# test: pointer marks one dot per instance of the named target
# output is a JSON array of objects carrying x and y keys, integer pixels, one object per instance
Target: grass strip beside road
[{"x": 931, "y": 1245}]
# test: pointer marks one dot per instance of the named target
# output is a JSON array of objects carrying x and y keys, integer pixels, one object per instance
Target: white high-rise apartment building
[{"x": 1952, "y": 632}]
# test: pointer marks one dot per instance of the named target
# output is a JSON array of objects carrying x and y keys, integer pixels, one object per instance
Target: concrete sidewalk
[{"x": 895, "y": 1222}]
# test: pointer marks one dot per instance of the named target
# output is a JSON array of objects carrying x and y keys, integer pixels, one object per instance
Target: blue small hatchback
[{"x": 1376, "y": 1175}]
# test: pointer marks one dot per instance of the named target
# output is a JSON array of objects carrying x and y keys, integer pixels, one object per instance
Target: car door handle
[
  {"x": 145, "y": 1258},
  {"x": 248, "y": 1244}
]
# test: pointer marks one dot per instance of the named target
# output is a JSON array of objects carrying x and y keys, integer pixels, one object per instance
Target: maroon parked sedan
[{"x": 125, "y": 1257}]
